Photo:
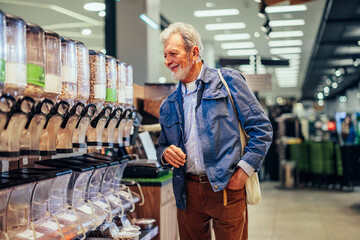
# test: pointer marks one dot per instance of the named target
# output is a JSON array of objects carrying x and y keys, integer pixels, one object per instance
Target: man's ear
[{"x": 195, "y": 52}]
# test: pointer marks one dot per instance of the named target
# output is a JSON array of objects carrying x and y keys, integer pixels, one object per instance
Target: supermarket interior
[{"x": 81, "y": 85}]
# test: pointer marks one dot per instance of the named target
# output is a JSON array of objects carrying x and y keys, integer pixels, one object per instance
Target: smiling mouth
[{"x": 173, "y": 68}]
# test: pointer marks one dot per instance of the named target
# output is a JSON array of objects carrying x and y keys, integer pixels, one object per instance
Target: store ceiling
[{"x": 316, "y": 62}]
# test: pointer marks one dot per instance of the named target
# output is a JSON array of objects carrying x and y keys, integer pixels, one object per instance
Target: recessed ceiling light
[
  {"x": 246, "y": 52},
  {"x": 235, "y": 36},
  {"x": 290, "y": 56},
  {"x": 217, "y": 12},
  {"x": 94, "y": 6},
  {"x": 86, "y": 32},
  {"x": 286, "y": 34},
  {"x": 334, "y": 85},
  {"x": 102, "y": 13},
  {"x": 285, "y": 50},
  {"x": 256, "y": 34},
  {"x": 285, "y": 43},
  {"x": 284, "y": 23},
  {"x": 281, "y": 9},
  {"x": 225, "y": 26},
  {"x": 210, "y": 4},
  {"x": 326, "y": 89},
  {"x": 237, "y": 45},
  {"x": 149, "y": 21}
]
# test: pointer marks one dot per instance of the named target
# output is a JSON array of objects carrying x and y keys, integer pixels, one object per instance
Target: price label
[
  {"x": 101, "y": 204},
  {"x": 51, "y": 225},
  {"x": 68, "y": 217},
  {"x": 85, "y": 209},
  {"x": 28, "y": 234}
]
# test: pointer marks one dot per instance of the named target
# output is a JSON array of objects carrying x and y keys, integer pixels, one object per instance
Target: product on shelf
[
  {"x": 97, "y": 79},
  {"x": 2, "y": 49},
  {"x": 129, "y": 91},
  {"x": 15, "y": 68},
  {"x": 35, "y": 48},
  {"x": 68, "y": 70},
  {"x": 53, "y": 83},
  {"x": 83, "y": 73},
  {"x": 121, "y": 81},
  {"x": 111, "y": 80}
]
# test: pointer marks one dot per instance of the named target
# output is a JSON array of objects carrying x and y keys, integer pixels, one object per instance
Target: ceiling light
[
  {"x": 320, "y": 103},
  {"x": 86, "y": 32},
  {"x": 290, "y": 56},
  {"x": 285, "y": 43},
  {"x": 94, "y": 6},
  {"x": 285, "y": 50},
  {"x": 149, "y": 21},
  {"x": 284, "y": 23},
  {"x": 356, "y": 62},
  {"x": 217, "y": 12},
  {"x": 320, "y": 95},
  {"x": 286, "y": 34},
  {"x": 338, "y": 73},
  {"x": 246, "y": 52},
  {"x": 334, "y": 85},
  {"x": 162, "y": 80},
  {"x": 210, "y": 4},
  {"x": 225, "y": 26},
  {"x": 359, "y": 42},
  {"x": 262, "y": 13},
  {"x": 102, "y": 13},
  {"x": 343, "y": 99},
  {"x": 103, "y": 51},
  {"x": 282, "y": 9},
  {"x": 256, "y": 34},
  {"x": 328, "y": 81},
  {"x": 236, "y": 36},
  {"x": 237, "y": 45},
  {"x": 326, "y": 89}
]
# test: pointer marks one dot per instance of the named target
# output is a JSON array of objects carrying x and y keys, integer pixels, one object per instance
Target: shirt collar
[{"x": 185, "y": 90}]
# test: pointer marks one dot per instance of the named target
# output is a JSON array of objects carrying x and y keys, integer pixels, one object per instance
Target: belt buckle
[{"x": 203, "y": 178}]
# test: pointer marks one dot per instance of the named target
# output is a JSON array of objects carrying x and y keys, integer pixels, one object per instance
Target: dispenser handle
[
  {"x": 90, "y": 110},
  {"x": 123, "y": 115},
  {"x": 55, "y": 110},
  {"x": 112, "y": 115},
  {"x": 18, "y": 107},
  {"x": 95, "y": 121},
  {"x": 70, "y": 113}
]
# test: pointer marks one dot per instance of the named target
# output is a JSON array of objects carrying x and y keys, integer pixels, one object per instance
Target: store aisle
[{"x": 305, "y": 214}]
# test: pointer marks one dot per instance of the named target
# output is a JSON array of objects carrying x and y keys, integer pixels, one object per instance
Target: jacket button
[{"x": 216, "y": 187}]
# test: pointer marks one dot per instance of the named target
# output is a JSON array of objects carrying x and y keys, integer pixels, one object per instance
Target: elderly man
[{"x": 200, "y": 139}]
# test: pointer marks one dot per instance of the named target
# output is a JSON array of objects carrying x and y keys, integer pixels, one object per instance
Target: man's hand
[
  {"x": 238, "y": 179},
  {"x": 174, "y": 156}
]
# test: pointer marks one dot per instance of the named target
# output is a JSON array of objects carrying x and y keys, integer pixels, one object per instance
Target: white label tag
[
  {"x": 85, "y": 209},
  {"x": 101, "y": 204},
  {"x": 114, "y": 199},
  {"x": 51, "y": 225},
  {"x": 68, "y": 217},
  {"x": 15, "y": 73},
  {"x": 53, "y": 84},
  {"x": 5, "y": 165},
  {"x": 121, "y": 93},
  {"x": 28, "y": 234},
  {"x": 68, "y": 74},
  {"x": 129, "y": 92},
  {"x": 100, "y": 91}
]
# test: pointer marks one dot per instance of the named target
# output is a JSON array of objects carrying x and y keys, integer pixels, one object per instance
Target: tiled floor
[{"x": 305, "y": 214}]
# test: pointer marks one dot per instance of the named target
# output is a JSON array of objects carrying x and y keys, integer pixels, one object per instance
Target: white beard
[{"x": 181, "y": 73}]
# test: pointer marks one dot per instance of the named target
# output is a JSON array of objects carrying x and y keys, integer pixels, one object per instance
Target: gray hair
[{"x": 189, "y": 34}]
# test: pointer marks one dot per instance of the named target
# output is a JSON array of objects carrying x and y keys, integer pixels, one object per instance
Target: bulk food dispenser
[
  {"x": 83, "y": 94},
  {"x": 14, "y": 107},
  {"x": 97, "y": 97},
  {"x": 52, "y": 91},
  {"x": 5, "y": 191},
  {"x": 111, "y": 96},
  {"x": 129, "y": 96},
  {"x": 35, "y": 45},
  {"x": 93, "y": 194},
  {"x": 84, "y": 212},
  {"x": 68, "y": 93},
  {"x": 121, "y": 102},
  {"x": 2, "y": 49},
  {"x": 47, "y": 206}
]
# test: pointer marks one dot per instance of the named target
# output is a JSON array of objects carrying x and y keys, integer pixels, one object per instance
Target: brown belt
[{"x": 197, "y": 178}]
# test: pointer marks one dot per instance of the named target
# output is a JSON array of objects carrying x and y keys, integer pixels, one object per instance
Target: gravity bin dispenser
[
  {"x": 83, "y": 94},
  {"x": 97, "y": 97},
  {"x": 64, "y": 140},
  {"x": 14, "y": 106},
  {"x": 52, "y": 91}
]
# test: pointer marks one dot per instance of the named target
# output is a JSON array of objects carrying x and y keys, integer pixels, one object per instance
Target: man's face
[{"x": 177, "y": 59}]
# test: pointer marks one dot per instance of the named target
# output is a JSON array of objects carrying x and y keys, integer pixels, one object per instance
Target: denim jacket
[{"x": 217, "y": 127}]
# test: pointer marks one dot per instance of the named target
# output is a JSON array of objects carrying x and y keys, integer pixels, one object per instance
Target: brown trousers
[{"x": 203, "y": 204}]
